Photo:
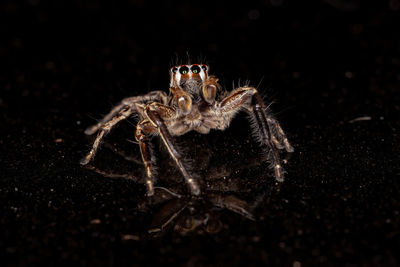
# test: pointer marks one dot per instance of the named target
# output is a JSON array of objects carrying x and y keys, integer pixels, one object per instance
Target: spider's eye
[
  {"x": 184, "y": 70},
  {"x": 174, "y": 69},
  {"x": 204, "y": 67},
  {"x": 195, "y": 69}
]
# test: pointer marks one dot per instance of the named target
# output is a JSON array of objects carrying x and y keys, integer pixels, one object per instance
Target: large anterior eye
[
  {"x": 195, "y": 69},
  {"x": 184, "y": 70}
]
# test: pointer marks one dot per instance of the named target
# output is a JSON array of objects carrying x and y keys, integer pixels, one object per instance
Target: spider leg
[
  {"x": 264, "y": 125},
  {"x": 132, "y": 158},
  {"x": 104, "y": 129},
  {"x": 265, "y": 137},
  {"x": 94, "y": 128},
  {"x": 274, "y": 124},
  {"x": 143, "y": 130},
  {"x": 129, "y": 101},
  {"x": 109, "y": 174},
  {"x": 232, "y": 203},
  {"x": 278, "y": 137},
  {"x": 156, "y": 112}
]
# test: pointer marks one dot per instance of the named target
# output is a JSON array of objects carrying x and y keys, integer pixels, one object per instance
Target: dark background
[{"x": 65, "y": 63}]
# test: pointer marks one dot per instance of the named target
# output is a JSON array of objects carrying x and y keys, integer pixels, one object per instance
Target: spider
[{"x": 196, "y": 102}]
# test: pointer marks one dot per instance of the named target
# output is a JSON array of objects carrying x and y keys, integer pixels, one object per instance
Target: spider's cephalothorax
[{"x": 192, "y": 105}]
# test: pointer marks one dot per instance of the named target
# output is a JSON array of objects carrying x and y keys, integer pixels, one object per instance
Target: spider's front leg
[
  {"x": 143, "y": 130},
  {"x": 267, "y": 130},
  {"x": 118, "y": 113},
  {"x": 159, "y": 96},
  {"x": 124, "y": 113},
  {"x": 156, "y": 114}
]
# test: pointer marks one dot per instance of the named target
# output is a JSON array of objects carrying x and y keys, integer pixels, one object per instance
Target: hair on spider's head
[{"x": 188, "y": 59}]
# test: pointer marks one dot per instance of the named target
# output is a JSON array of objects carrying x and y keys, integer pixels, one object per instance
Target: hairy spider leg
[
  {"x": 277, "y": 135},
  {"x": 274, "y": 124},
  {"x": 155, "y": 112},
  {"x": 143, "y": 130},
  {"x": 242, "y": 97},
  {"x": 266, "y": 139},
  {"x": 104, "y": 129},
  {"x": 270, "y": 127},
  {"x": 129, "y": 101}
]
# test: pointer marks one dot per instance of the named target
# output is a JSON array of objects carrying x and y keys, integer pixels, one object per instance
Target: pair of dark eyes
[{"x": 194, "y": 69}]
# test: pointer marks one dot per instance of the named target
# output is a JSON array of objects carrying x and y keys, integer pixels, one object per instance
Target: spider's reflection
[{"x": 225, "y": 188}]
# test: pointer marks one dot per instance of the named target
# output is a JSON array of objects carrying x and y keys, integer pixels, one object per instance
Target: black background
[{"x": 326, "y": 63}]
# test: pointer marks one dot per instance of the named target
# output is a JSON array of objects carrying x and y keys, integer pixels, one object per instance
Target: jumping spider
[{"x": 196, "y": 102}]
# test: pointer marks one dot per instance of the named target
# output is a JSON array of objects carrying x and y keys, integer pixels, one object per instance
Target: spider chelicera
[{"x": 196, "y": 102}]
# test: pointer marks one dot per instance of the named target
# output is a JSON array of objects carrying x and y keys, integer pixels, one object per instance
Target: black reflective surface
[{"x": 332, "y": 68}]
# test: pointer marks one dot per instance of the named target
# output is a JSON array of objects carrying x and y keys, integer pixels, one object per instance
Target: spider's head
[{"x": 189, "y": 77}]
